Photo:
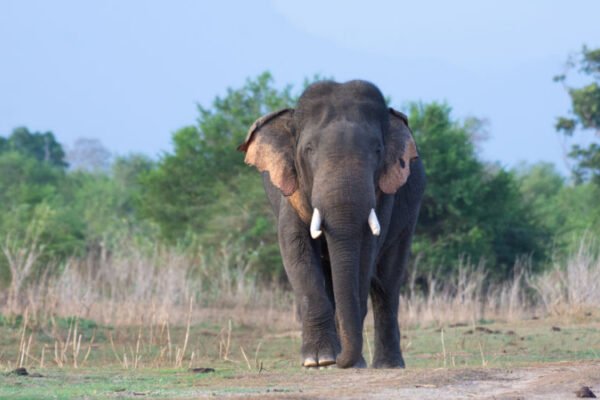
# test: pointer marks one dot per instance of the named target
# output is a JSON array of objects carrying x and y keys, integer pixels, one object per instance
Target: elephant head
[{"x": 333, "y": 157}]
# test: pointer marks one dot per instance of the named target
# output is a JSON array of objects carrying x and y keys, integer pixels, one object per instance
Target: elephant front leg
[
  {"x": 301, "y": 258},
  {"x": 319, "y": 337},
  {"x": 385, "y": 297}
]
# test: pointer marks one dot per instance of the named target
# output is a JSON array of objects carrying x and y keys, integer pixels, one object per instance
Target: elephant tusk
[
  {"x": 374, "y": 223},
  {"x": 315, "y": 224}
]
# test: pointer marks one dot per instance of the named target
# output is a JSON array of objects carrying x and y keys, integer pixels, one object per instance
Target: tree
[
  {"x": 204, "y": 189},
  {"x": 41, "y": 146},
  {"x": 89, "y": 155},
  {"x": 106, "y": 204},
  {"x": 470, "y": 208},
  {"x": 31, "y": 188},
  {"x": 585, "y": 114},
  {"x": 568, "y": 212},
  {"x": 540, "y": 186},
  {"x": 183, "y": 189},
  {"x": 75, "y": 212}
]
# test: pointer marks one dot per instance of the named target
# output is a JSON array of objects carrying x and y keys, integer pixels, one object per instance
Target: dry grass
[
  {"x": 137, "y": 287},
  {"x": 573, "y": 287},
  {"x": 467, "y": 297},
  {"x": 134, "y": 286},
  {"x": 167, "y": 308},
  {"x": 568, "y": 288}
]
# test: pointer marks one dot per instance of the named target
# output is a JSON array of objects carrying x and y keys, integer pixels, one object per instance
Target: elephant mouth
[{"x": 316, "y": 221}]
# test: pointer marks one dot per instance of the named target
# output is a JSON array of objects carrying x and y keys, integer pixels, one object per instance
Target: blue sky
[{"x": 131, "y": 72}]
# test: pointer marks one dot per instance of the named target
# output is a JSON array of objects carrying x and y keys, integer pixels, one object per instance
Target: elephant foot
[
  {"x": 320, "y": 353},
  {"x": 361, "y": 363},
  {"x": 389, "y": 362}
]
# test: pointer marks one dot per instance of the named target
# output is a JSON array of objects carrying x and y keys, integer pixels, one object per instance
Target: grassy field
[
  {"x": 72, "y": 358},
  {"x": 146, "y": 326}
]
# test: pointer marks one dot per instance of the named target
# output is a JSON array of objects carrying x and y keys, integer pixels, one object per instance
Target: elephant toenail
[
  {"x": 310, "y": 362},
  {"x": 325, "y": 361}
]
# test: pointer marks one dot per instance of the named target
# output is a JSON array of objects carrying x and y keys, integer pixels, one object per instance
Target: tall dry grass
[
  {"x": 466, "y": 297},
  {"x": 569, "y": 286},
  {"x": 134, "y": 285},
  {"x": 572, "y": 286}
]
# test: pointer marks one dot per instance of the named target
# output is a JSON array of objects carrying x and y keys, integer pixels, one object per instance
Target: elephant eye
[{"x": 376, "y": 147}]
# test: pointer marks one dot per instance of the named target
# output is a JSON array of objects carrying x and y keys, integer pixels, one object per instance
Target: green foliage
[
  {"x": 588, "y": 163},
  {"x": 74, "y": 212},
  {"x": 586, "y": 105},
  {"x": 29, "y": 191},
  {"x": 585, "y": 114},
  {"x": 181, "y": 190},
  {"x": 106, "y": 204},
  {"x": 204, "y": 188},
  {"x": 470, "y": 209},
  {"x": 540, "y": 185},
  {"x": 577, "y": 213},
  {"x": 40, "y": 146},
  {"x": 25, "y": 180},
  {"x": 567, "y": 211}
]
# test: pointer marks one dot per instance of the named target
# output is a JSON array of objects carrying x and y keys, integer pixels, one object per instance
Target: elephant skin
[{"x": 338, "y": 157}]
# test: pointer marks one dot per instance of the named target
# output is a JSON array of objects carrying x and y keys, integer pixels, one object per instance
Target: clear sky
[{"x": 131, "y": 72}]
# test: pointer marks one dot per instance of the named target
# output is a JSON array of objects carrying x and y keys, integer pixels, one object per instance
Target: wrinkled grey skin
[{"x": 336, "y": 152}]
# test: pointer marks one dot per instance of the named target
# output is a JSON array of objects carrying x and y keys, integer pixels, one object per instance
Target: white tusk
[
  {"x": 374, "y": 223},
  {"x": 315, "y": 224}
]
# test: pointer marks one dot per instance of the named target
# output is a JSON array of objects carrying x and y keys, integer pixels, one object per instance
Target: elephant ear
[
  {"x": 400, "y": 150},
  {"x": 269, "y": 146}
]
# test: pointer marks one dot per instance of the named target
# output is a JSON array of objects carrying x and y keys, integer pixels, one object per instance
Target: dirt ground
[{"x": 547, "y": 381}]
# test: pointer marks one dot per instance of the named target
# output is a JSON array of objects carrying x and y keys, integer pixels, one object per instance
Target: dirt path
[{"x": 546, "y": 381}]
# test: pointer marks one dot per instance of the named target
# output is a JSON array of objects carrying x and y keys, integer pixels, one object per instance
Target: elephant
[{"x": 345, "y": 181}]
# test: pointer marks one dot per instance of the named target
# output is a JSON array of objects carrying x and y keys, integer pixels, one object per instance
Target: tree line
[{"x": 201, "y": 197}]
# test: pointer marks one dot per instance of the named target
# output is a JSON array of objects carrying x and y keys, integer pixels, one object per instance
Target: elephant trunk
[
  {"x": 347, "y": 218},
  {"x": 345, "y": 255}
]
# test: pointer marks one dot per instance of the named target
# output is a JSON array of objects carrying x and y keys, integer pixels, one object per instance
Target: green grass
[
  {"x": 503, "y": 345},
  {"x": 103, "y": 375},
  {"x": 103, "y": 383}
]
